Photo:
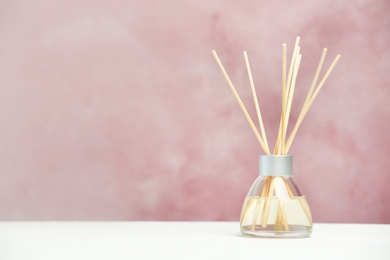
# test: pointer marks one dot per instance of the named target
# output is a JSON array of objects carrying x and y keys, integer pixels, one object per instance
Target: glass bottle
[{"x": 275, "y": 205}]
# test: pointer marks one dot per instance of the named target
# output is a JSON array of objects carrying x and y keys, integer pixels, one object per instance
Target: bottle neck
[{"x": 275, "y": 165}]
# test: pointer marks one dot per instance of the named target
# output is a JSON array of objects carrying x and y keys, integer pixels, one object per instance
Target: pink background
[{"x": 116, "y": 110}]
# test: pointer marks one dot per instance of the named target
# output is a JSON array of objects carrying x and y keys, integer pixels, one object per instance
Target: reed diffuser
[{"x": 275, "y": 205}]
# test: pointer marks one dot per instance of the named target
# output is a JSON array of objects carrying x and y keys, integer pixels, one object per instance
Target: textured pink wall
[{"x": 116, "y": 110}]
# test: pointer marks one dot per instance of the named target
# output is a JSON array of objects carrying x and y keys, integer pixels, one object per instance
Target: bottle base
[{"x": 275, "y": 231}]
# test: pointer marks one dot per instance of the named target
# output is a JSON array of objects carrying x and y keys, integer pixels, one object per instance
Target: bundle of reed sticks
[{"x": 283, "y": 144}]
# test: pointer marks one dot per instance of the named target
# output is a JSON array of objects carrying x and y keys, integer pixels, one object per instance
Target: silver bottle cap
[{"x": 275, "y": 165}]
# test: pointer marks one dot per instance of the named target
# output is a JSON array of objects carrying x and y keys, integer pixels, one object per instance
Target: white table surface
[{"x": 184, "y": 240}]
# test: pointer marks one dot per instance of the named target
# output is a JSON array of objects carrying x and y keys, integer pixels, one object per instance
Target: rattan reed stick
[{"x": 262, "y": 144}]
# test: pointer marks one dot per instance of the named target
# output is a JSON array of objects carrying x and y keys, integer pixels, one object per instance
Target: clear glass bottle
[{"x": 275, "y": 205}]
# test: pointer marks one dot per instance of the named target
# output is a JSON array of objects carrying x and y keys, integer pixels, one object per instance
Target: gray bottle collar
[{"x": 275, "y": 165}]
